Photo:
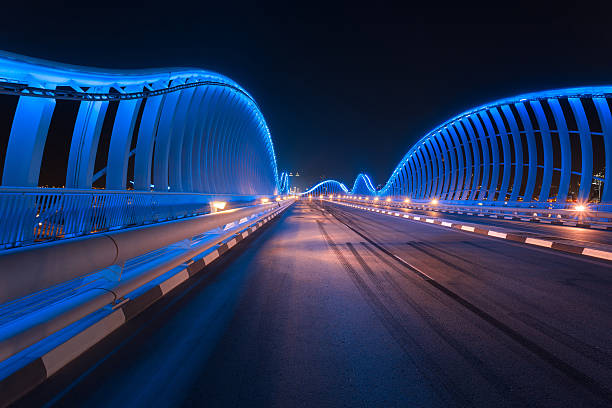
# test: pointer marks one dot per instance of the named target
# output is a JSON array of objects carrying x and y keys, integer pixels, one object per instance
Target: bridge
[{"x": 151, "y": 255}]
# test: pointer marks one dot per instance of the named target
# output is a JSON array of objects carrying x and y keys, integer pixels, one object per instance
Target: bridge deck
[{"x": 314, "y": 313}]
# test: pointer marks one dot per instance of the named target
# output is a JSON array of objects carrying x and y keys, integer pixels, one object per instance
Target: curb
[
  {"x": 544, "y": 220},
  {"x": 41, "y": 368},
  {"x": 559, "y": 246}
]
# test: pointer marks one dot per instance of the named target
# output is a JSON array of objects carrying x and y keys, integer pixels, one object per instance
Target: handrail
[
  {"x": 27, "y": 270},
  {"x": 560, "y": 213},
  {"x": 21, "y": 334},
  {"x": 35, "y": 215}
]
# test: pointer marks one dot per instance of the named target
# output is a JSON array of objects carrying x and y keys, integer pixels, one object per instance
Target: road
[
  {"x": 335, "y": 307},
  {"x": 566, "y": 232}
]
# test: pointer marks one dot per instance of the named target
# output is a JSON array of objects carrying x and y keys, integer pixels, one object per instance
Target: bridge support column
[
  {"x": 547, "y": 148},
  {"x": 84, "y": 143},
  {"x": 586, "y": 149},
  {"x": 566, "y": 153},
  {"x": 27, "y": 141},
  {"x": 121, "y": 139},
  {"x": 146, "y": 141},
  {"x": 503, "y": 134},
  {"x": 532, "y": 167},
  {"x": 606, "y": 125}
]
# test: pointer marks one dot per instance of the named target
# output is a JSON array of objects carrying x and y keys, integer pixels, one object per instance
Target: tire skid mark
[
  {"x": 397, "y": 331},
  {"x": 488, "y": 375},
  {"x": 562, "y": 366}
]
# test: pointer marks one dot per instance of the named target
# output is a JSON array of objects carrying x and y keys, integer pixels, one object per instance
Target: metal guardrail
[
  {"x": 34, "y": 215},
  {"x": 29, "y": 269},
  {"x": 124, "y": 245},
  {"x": 589, "y": 213}
]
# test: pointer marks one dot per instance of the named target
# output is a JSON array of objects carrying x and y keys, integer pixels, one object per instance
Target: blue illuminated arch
[
  {"x": 363, "y": 185},
  {"x": 198, "y": 131},
  {"x": 326, "y": 187},
  {"x": 503, "y": 151}
]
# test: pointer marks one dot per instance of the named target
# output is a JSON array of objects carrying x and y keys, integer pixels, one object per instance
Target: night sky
[{"x": 344, "y": 89}]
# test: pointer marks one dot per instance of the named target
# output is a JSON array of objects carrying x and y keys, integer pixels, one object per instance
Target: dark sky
[{"x": 347, "y": 88}]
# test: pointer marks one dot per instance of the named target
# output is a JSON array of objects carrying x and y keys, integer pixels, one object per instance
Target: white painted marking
[
  {"x": 539, "y": 242},
  {"x": 497, "y": 234},
  {"x": 467, "y": 228},
  {"x": 174, "y": 281},
  {"x": 480, "y": 215},
  {"x": 507, "y": 218},
  {"x": 470, "y": 213},
  {"x": 416, "y": 218},
  {"x": 597, "y": 253},
  {"x": 525, "y": 219},
  {"x": 406, "y": 216},
  {"x": 211, "y": 257},
  {"x": 447, "y": 224},
  {"x": 245, "y": 234},
  {"x": 429, "y": 220},
  {"x": 74, "y": 347},
  {"x": 397, "y": 214}
]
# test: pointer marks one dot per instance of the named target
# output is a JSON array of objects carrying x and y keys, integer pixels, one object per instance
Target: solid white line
[
  {"x": 539, "y": 242},
  {"x": 467, "y": 228},
  {"x": 497, "y": 234},
  {"x": 597, "y": 253}
]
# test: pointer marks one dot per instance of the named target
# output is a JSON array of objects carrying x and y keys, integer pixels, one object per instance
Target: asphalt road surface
[
  {"x": 550, "y": 230},
  {"x": 335, "y": 307}
]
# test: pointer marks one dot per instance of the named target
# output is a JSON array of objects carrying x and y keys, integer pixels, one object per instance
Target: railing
[
  {"x": 33, "y": 215},
  {"x": 566, "y": 211}
]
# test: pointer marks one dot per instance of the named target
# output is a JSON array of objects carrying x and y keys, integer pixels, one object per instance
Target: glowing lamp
[
  {"x": 434, "y": 201},
  {"x": 219, "y": 205},
  {"x": 264, "y": 200},
  {"x": 580, "y": 207}
]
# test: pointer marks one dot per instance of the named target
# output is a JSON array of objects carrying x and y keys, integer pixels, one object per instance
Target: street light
[{"x": 219, "y": 205}]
